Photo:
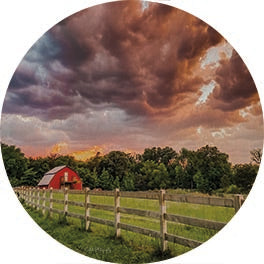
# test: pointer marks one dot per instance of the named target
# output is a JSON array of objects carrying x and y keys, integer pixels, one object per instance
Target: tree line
[{"x": 206, "y": 169}]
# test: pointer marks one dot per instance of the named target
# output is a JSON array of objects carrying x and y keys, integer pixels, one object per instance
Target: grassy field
[{"x": 100, "y": 243}]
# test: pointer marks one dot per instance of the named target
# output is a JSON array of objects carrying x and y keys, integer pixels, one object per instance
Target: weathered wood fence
[{"x": 37, "y": 198}]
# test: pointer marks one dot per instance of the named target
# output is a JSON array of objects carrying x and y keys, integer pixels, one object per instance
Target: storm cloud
[
  {"x": 138, "y": 60},
  {"x": 150, "y": 64}
]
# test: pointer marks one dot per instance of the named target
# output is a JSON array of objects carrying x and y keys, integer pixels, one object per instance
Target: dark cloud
[
  {"x": 196, "y": 43},
  {"x": 236, "y": 88},
  {"x": 44, "y": 50},
  {"x": 22, "y": 79},
  {"x": 120, "y": 77},
  {"x": 118, "y": 55}
]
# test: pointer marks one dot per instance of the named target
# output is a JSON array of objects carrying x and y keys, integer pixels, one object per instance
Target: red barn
[{"x": 61, "y": 177}]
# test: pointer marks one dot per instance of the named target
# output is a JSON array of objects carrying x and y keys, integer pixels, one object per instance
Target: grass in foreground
[{"x": 99, "y": 242}]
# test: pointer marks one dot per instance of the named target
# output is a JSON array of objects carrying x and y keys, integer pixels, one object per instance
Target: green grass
[{"x": 100, "y": 243}]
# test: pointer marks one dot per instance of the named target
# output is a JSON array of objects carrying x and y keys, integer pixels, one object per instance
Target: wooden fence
[{"x": 37, "y": 198}]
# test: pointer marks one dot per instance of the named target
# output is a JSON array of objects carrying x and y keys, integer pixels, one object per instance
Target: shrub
[{"x": 233, "y": 189}]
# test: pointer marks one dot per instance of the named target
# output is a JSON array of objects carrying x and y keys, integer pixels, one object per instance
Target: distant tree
[
  {"x": 155, "y": 175},
  {"x": 181, "y": 178},
  {"x": 106, "y": 181},
  {"x": 256, "y": 155},
  {"x": 159, "y": 155},
  {"x": 244, "y": 176},
  {"x": 15, "y": 163},
  {"x": 226, "y": 181},
  {"x": 205, "y": 169},
  {"x": 211, "y": 165},
  {"x": 187, "y": 160},
  {"x": 150, "y": 154},
  {"x": 233, "y": 189},
  {"x": 29, "y": 178},
  {"x": 40, "y": 166},
  {"x": 127, "y": 183},
  {"x": 117, "y": 164},
  {"x": 167, "y": 155},
  {"x": 65, "y": 160},
  {"x": 89, "y": 178},
  {"x": 161, "y": 177},
  {"x": 116, "y": 183},
  {"x": 94, "y": 163},
  {"x": 51, "y": 160},
  {"x": 203, "y": 184},
  {"x": 135, "y": 170}
]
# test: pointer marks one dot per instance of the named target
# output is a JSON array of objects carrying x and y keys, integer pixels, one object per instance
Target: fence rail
[{"x": 37, "y": 198}]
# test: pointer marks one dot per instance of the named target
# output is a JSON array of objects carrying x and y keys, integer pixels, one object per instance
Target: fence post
[
  {"x": 35, "y": 198},
  {"x": 38, "y": 198},
  {"x": 87, "y": 208},
  {"x": 117, "y": 213},
  {"x": 50, "y": 202},
  {"x": 30, "y": 196},
  {"x": 44, "y": 201},
  {"x": 163, "y": 222},
  {"x": 237, "y": 201},
  {"x": 23, "y": 193},
  {"x": 27, "y": 195},
  {"x": 66, "y": 197}
]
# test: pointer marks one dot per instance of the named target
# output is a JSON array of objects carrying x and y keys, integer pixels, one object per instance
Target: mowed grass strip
[{"x": 139, "y": 242}]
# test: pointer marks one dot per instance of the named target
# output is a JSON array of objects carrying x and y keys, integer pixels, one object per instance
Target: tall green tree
[
  {"x": 211, "y": 165},
  {"x": 40, "y": 166},
  {"x": 187, "y": 160},
  {"x": 29, "y": 178},
  {"x": 155, "y": 175},
  {"x": 159, "y": 155},
  {"x": 15, "y": 163},
  {"x": 89, "y": 178},
  {"x": 244, "y": 176},
  {"x": 181, "y": 178},
  {"x": 117, "y": 164},
  {"x": 128, "y": 182},
  {"x": 106, "y": 182}
]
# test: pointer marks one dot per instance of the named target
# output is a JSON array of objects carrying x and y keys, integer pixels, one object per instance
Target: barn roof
[
  {"x": 48, "y": 176},
  {"x": 55, "y": 170},
  {"x": 46, "y": 179}
]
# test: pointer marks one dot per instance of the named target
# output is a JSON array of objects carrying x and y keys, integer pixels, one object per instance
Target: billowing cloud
[
  {"x": 140, "y": 61},
  {"x": 128, "y": 75},
  {"x": 236, "y": 88}
]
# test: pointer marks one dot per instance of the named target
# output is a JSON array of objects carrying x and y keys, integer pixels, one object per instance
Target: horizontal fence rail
[
  {"x": 214, "y": 201},
  {"x": 37, "y": 198}
]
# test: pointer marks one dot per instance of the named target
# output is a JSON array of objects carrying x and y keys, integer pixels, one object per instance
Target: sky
[{"x": 127, "y": 76}]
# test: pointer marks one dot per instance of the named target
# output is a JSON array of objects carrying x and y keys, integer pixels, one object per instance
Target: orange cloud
[
  {"x": 87, "y": 154},
  {"x": 60, "y": 148}
]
